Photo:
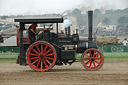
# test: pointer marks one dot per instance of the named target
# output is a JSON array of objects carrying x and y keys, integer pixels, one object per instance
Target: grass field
[
  {"x": 8, "y": 56},
  {"x": 107, "y": 56}
]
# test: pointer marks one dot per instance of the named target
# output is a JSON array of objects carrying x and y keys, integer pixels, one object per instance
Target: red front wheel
[
  {"x": 92, "y": 59},
  {"x": 41, "y": 56}
]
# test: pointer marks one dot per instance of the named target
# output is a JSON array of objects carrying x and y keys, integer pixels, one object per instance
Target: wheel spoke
[
  {"x": 94, "y": 53},
  {"x": 98, "y": 59},
  {"x": 41, "y": 64},
  {"x": 38, "y": 63},
  {"x": 48, "y": 62},
  {"x": 42, "y": 49},
  {"x": 87, "y": 56},
  {"x": 45, "y": 63},
  {"x": 94, "y": 64},
  {"x": 33, "y": 54},
  {"x": 35, "y": 61},
  {"x": 97, "y": 62},
  {"x": 87, "y": 62},
  {"x": 34, "y": 58},
  {"x": 38, "y": 48},
  {"x": 48, "y": 51},
  {"x": 35, "y": 51},
  {"x": 90, "y": 64},
  {"x": 90, "y": 53},
  {"x": 97, "y": 55},
  {"x": 49, "y": 54},
  {"x": 86, "y": 59},
  {"x": 49, "y": 58},
  {"x": 45, "y": 48}
]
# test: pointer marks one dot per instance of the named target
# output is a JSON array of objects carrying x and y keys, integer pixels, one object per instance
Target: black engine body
[{"x": 66, "y": 46}]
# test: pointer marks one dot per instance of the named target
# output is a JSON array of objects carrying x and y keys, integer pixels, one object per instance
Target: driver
[{"x": 32, "y": 32}]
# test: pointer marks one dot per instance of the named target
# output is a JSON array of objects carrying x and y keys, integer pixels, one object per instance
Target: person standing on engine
[{"x": 32, "y": 33}]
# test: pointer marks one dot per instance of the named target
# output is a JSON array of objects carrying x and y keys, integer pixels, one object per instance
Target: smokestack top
[{"x": 90, "y": 11}]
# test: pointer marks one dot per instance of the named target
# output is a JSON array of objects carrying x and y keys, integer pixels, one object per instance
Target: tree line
[{"x": 97, "y": 11}]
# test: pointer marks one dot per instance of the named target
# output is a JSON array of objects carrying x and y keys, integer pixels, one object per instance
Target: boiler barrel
[{"x": 81, "y": 47}]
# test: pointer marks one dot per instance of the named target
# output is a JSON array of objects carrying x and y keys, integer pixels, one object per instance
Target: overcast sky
[{"x": 15, "y": 7}]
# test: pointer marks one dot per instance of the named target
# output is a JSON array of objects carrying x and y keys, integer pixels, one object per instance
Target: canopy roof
[{"x": 40, "y": 20}]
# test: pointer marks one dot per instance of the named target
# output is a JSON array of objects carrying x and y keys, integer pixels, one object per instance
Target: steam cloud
[{"x": 66, "y": 24}]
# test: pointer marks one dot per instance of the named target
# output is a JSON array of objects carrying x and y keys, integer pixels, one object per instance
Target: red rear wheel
[
  {"x": 92, "y": 59},
  {"x": 41, "y": 56}
]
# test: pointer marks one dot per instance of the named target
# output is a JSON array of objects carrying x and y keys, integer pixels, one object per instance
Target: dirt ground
[{"x": 113, "y": 72}]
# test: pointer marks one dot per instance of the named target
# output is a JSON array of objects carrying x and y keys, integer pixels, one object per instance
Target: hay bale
[{"x": 107, "y": 40}]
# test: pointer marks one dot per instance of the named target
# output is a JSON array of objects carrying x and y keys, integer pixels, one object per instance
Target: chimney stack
[{"x": 90, "y": 25}]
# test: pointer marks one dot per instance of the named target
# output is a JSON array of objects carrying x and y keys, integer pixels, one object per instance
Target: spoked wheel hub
[
  {"x": 92, "y": 59},
  {"x": 41, "y": 56}
]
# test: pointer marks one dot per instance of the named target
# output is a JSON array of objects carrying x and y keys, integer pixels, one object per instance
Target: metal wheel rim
[
  {"x": 41, "y": 63},
  {"x": 92, "y": 62}
]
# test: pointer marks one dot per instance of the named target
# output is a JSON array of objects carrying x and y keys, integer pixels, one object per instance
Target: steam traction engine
[{"x": 52, "y": 49}]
